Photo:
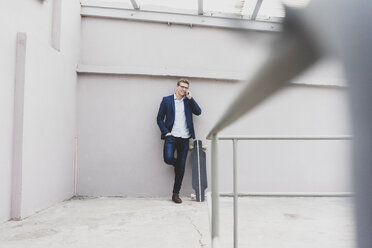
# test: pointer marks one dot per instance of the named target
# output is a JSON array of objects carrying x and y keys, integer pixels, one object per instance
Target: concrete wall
[
  {"x": 120, "y": 152},
  {"x": 49, "y": 123}
]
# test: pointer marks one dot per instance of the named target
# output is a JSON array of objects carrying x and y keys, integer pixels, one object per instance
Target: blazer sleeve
[
  {"x": 160, "y": 117},
  {"x": 195, "y": 109}
]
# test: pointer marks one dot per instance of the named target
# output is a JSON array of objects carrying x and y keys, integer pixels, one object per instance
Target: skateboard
[{"x": 199, "y": 170}]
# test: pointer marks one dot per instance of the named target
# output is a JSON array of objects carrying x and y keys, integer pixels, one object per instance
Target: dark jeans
[{"x": 171, "y": 144}]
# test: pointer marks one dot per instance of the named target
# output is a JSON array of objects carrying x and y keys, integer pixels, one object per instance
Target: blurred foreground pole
[
  {"x": 355, "y": 49},
  {"x": 344, "y": 28}
]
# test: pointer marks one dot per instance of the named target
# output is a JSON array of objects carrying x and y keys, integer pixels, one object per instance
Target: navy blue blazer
[{"x": 167, "y": 110}]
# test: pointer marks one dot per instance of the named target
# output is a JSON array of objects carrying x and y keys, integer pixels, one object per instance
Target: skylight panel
[
  {"x": 170, "y": 5},
  {"x": 224, "y": 6}
]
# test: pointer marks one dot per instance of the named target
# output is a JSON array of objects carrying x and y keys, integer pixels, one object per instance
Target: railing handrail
[
  {"x": 286, "y": 137},
  {"x": 291, "y": 54}
]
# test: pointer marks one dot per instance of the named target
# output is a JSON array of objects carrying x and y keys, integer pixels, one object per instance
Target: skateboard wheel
[
  {"x": 191, "y": 147},
  {"x": 204, "y": 148},
  {"x": 193, "y": 197}
]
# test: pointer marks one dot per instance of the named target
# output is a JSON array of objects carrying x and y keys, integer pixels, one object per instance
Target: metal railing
[
  {"x": 306, "y": 38},
  {"x": 292, "y": 53},
  {"x": 215, "y": 183}
]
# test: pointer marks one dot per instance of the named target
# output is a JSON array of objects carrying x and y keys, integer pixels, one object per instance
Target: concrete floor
[
  {"x": 155, "y": 222},
  {"x": 306, "y": 222}
]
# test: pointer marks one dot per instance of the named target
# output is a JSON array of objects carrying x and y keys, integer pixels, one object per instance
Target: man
[{"x": 178, "y": 127}]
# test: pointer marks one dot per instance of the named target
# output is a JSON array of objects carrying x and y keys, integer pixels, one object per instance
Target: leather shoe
[{"x": 176, "y": 198}]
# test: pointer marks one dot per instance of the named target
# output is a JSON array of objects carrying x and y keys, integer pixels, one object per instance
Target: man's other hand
[{"x": 168, "y": 134}]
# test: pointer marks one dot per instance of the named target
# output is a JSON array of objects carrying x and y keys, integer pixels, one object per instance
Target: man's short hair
[{"x": 183, "y": 80}]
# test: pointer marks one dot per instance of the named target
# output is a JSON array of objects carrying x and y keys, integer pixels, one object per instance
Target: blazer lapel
[
  {"x": 186, "y": 108},
  {"x": 172, "y": 103}
]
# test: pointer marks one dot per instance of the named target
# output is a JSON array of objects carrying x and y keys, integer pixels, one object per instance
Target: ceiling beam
[
  {"x": 200, "y": 7},
  {"x": 183, "y": 19},
  {"x": 256, "y": 9},
  {"x": 135, "y": 5}
]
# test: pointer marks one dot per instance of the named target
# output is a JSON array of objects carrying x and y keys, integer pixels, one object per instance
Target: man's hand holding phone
[{"x": 188, "y": 94}]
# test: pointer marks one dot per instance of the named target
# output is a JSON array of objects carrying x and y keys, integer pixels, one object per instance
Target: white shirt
[{"x": 180, "y": 127}]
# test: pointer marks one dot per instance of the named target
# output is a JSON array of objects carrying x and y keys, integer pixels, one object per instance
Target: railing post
[
  {"x": 235, "y": 179},
  {"x": 215, "y": 194}
]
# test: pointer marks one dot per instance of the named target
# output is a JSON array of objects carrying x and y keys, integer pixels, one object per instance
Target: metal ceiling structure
[{"x": 242, "y": 9}]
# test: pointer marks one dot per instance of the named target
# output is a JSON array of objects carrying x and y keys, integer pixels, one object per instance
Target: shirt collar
[{"x": 175, "y": 97}]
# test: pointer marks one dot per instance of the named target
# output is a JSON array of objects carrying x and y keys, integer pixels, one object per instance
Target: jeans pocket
[{"x": 169, "y": 138}]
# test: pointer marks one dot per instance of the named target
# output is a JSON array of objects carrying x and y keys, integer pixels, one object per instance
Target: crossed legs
[{"x": 172, "y": 144}]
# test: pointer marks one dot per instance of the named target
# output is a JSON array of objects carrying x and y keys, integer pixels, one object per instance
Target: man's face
[{"x": 182, "y": 89}]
